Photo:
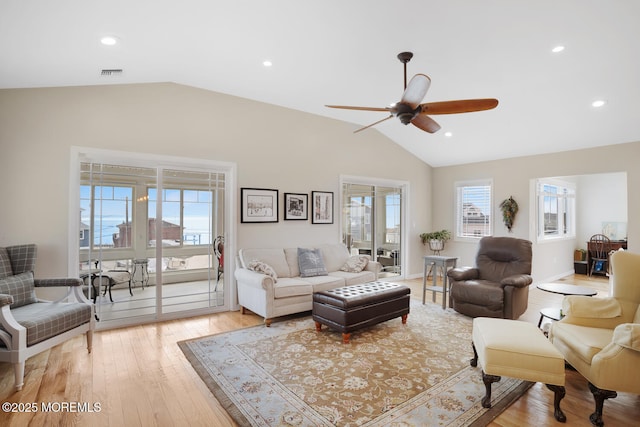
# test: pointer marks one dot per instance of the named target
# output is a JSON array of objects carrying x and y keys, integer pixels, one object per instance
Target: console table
[{"x": 435, "y": 261}]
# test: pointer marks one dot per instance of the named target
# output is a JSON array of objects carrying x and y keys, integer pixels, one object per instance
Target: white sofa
[{"x": 290, "y": 293}]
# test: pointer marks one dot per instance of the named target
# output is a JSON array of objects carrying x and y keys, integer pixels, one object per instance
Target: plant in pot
[{"x": 436, "y": 239}]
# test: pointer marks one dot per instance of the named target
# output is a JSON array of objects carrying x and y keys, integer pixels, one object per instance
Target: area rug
[{"x": 391, "y": 374}]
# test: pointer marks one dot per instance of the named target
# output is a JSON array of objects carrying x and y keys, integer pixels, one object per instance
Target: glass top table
[
  {"x": 566, "y": 289},
  {"x": 562, "y": 289}
]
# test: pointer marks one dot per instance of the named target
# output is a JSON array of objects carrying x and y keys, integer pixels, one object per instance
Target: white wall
[
  {"x": 511, "y": 177},
  {"x": 273, "y": 147},
  {"x": 601, "y": 198}
]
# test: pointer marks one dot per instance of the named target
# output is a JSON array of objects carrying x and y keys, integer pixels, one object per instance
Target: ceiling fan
[{"x": 410, "y": 110}]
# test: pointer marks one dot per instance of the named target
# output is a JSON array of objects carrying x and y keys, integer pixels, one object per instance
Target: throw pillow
[
  {"x": 355, "y": 264},
  {"x": 264, "y": 268},
  {"x": 311, "y": 263},
  {"x": 20, "y": 287}
]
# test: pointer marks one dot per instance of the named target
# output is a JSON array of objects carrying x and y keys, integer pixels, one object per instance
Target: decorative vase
[{"x": 436, "y": 245}]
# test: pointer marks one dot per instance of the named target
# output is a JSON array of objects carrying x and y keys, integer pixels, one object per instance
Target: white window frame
[
  {"x": 459, "y": 209},
  {"x": 566, "y": 215}
]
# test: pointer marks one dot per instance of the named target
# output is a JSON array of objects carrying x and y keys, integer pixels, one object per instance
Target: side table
[
  {"x": 562, "y": 289},
  {"x": 141, "y": 264},
  {"x": 444, "y": 262}
]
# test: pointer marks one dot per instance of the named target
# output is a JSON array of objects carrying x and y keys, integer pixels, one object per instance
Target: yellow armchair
[{"x": 600, "y": 337}]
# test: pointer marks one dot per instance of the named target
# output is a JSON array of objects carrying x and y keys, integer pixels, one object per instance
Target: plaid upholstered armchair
[{"x": 29, "y": 325}]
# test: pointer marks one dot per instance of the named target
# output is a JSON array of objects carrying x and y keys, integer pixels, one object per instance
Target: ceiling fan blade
[
  {"x": 347, "y": 107},
  {"x": 425, "y": 123},
  {"x": 460, "y": 106},
  {"x": 372, "y": 124},
  {"x": 416, "y": 90}
]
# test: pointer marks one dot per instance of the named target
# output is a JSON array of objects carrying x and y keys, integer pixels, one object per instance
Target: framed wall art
[
  {"x": 321, "y": 207},
  {"x": 258, "y": 205},
  {"x": 296, "y": 206}
]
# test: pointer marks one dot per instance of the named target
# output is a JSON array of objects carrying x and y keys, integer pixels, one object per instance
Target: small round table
[
  {"x": 142, "y": 265},
  {"x": 565, "y": 289},
  {"x": 562, "y": 289}
]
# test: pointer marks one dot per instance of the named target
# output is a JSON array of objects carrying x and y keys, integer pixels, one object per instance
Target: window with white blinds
[{"x": 474, "y": 209}]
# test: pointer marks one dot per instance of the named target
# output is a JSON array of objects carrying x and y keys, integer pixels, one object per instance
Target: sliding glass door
[
  {"x": 152, "y": 239},
  {"x": 372, "y": 222}
]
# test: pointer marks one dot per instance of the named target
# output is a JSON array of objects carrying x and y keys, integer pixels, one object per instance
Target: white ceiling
[{"x": 344, "y": 52}]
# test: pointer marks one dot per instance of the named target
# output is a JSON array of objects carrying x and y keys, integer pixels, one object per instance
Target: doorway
[
  {"x": 151, "y": 231},
  {"x": 372, "y": 221}
]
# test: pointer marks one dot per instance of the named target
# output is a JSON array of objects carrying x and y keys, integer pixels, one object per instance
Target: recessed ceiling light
[
  {"x": 557, "y": 49},
  {"x": 267, "y": 63},
  {"x": 598, "y": 103},
  {"x": 448, "y": 134},
  {"x": 109, "y": 40}
]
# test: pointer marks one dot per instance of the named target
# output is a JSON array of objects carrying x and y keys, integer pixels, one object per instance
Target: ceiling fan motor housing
[{"x": 405, "y": 113}]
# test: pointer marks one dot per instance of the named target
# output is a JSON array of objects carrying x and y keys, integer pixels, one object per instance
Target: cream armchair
[{"x": 600, "y": 337}]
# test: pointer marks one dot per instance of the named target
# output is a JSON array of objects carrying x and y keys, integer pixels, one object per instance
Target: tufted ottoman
[
  {"x": 354, "y": 307},
  {"x": 517, "y": 349}
]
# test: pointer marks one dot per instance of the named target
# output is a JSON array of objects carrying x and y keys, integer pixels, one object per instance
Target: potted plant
[{"x": 436, "y": 239}]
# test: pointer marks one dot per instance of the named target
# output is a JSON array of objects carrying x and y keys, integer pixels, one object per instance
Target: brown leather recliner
[{"x": 499, "y": 284}]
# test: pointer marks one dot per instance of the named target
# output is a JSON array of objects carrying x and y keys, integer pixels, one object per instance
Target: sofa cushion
[
  {"x": 584, "y": 341},
  {"x": 5, "y": 264},
  {"x": 20, "y": 287},
  {"x": 291, "y": 254},
  {"x": 334, "y": 255},
  {"x": 264, "y": 268},
  {"x": 354, "y": 278},
  {"x": 355, "y": 264},
  {"x": 311, "y": 263},
  {"x": 274, "y": 257},
  {"x": 291, "y": 287}
]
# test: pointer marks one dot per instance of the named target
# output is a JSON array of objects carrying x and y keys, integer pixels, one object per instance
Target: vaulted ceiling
[{"x": 344, "y": 52}]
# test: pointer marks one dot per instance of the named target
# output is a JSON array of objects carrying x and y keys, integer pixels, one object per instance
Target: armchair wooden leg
[
  {"x": 18, "y": 369},
  {"x": 89, "y": 340},
  {"x": 600, "y": 396}
]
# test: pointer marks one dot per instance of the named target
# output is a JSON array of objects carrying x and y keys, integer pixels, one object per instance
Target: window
[
  {"x": 185, "y": 215},
  {"x": 473, "y": 209},
  {"x": 108, "y": 213},
  {"x": 555, "y": 209}
]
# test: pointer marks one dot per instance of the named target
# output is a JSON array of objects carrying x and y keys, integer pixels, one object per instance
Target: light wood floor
[{"x": 139, "y": 377}]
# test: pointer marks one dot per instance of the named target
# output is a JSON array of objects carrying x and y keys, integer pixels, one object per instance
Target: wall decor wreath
[{"x": 509, "y": 209}]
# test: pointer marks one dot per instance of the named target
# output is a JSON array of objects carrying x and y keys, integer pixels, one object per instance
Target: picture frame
[
  {"x": 258, "y": 205},
  {"x": 322, "y": 207},
  {"x": 296, "y": 206}
]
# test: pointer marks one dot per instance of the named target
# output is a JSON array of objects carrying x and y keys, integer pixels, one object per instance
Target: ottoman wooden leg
[
  {"x": 488, "y": 380},
  {"x": 318, "y": 326},
  {"x": 345, "y": 337},
  {"x": 404, "y": 319},
  {"x": 558, "y": 395},
  {"x": 474, "y": 362}
]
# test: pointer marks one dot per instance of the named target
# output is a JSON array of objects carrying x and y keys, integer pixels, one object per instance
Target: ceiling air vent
[{"x": 111, "y": 72}]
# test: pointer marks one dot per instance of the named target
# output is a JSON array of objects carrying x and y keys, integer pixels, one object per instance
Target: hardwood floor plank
[{"x": 140, "y": 377}]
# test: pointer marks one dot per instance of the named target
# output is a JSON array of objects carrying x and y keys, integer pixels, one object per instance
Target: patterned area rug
[{"x": 416, "y": 374}]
